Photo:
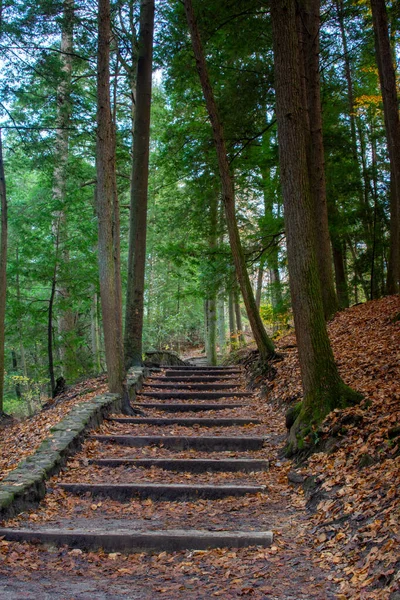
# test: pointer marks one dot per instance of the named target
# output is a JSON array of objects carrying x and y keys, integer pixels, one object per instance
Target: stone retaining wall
[{"x": 25, "y": 485}]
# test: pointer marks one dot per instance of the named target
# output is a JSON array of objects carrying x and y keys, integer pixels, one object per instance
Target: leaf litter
[{"x": 339, "y": 540}]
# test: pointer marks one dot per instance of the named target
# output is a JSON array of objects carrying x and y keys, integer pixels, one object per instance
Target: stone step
[
  {"x": 188, "y": 422},
  {"x": 179, "y": 492},
  {"x": 181, "y": 407},
  {"x": 177, "y": 442},
  {"x": 195, "y": 395},
  {"x": 203, "y": 368},
  {"x": 192, "y": 465},
  {"x": 191, "y": 371},
  {"x": 190, "y": 386},
  {"x": 192, "y": 379},
  {"x": 138, "y": 541}
]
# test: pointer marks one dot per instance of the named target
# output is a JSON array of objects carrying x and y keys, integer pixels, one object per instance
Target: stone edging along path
[{"x": 25, "y": 485}]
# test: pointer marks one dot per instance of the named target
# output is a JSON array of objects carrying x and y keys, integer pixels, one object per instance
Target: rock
[
  {"x": 163, "y": 358},
  {"x": 294, "y": 477}
]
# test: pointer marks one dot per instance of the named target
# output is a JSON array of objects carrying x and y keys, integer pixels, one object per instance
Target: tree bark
[
  {"x": 107, "y": 211},
  {"x": 309, "y": 52},
  {"x": 139, "y": 190},
  {"x": 211, "y": 300},
  {"x": 340, "y": 272},
  {"x": 66, "y": 319},
  {"x": 233, "y": 336},
  {"x": 15, "y": 370},
  {"x": 387, "y": 77},
  {"x": 322, "y": 385},
  {"x": 50, "y": 329},
  {"x": 264, "y": 344},
  {"x": 221, "y": 323},
  {"x": 260, "y": 275},
  {"x": 355, "y": 130},
  {"x": 3, "y": 269},
  {"x": 211, "y": 330},
  {"x": 95, "y": 335},
  {"x": 239, "y": 325}
]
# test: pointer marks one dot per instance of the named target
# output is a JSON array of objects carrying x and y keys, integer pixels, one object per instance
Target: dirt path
[{"x": 287, "y": 569}]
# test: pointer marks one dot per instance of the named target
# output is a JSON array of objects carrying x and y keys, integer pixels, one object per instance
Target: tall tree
[
  {"x": 108, "y": 210},
  {"x": 310, "y": 22},
  {"x": 3, "y": 270},
  {"x": 387, "y": 77},
  {"x": 264, "y": 344},
  {"x": 322, "y": 385},
  {"x": 139, "y": 189},
  {"x": 64, "y": 108}
]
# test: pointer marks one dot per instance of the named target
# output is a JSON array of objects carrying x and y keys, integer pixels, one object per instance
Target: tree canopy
[{"x": 193, "y": 293}]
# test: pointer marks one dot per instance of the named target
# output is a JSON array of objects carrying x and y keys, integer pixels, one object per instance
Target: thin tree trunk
[
  {"x": 221, "y": 323},
  {"x": 260, "y": 275},
  {"x": 239, "y": 325},
  {"x": 66, "y": 320},
  {"x": 357, "y": 272},
  {"x": 20, "y": 326},
  {"x": 15, "y": 369},
  {"x": 276, "y": 295},
  {"x": 323, "y": 387},
  {"x": 387, "y": 77},
  {"x": 108, "y": 218},
  {"x": 3, "y": 270},
  {"x": 309, "y": 50},
  {"x": 340, "y": 272},
  {"x": 139, "y": 190},
  {"x": 95, "y": 335},
  {"x": 349, "y": 80},
  {"x": 264, "y": 344},
  {"x": 355, "y": 130},
  {"x": 374, "y": 283},
  {"x": 211, "y": 330},
  {"x": 211, "y": 302},
  {"x": 206, "y": 328},
  {"x": 50, "y": 331},
  {"x": 233, "y": 337}
]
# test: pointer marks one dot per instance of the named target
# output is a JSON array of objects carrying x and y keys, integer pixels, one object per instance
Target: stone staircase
[{"x": 196, "y": 462}]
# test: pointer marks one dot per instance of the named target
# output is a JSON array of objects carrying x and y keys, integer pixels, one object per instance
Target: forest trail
[{"x": 198, "y": 480}]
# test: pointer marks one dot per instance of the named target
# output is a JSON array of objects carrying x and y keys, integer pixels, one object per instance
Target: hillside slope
[{"x": 352, "y": 482}]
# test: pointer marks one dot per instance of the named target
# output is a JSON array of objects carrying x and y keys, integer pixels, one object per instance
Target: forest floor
[{"x": 335, "y": 517}]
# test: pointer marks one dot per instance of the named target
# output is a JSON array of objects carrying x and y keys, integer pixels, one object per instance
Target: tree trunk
[
  {"x": 221, "y": 323},
  {"x": 50, "y": 328},
  {"x": 264, "y": 344},
  {"x": 340, "y": 272},
  {"x": 107, "y": 211},
  {"x": 374, "y": 284},
  {"x": 323, "y": 388},
  {"x": 239, "y": 325},
  {"x": 362, "y": 173},
  {"x": 66, "y": 320},
  {"x": 349, "y": 80},
  {"x": 387, "y": 77},
  {"x": 309, "y": 51},
  {"x": 15, "y": 370},
  {"x": 139, "y": 190},
  {"x": 276, "y": 286},
  {"x": 211, "y": 330},
  {"x": 95, "y": 335},
  {"x": 3, "y": 270},
  {"x": 233, "y": 337},
  {"x": 260, "y": 275},
  {"x": 357, "y": 272}
]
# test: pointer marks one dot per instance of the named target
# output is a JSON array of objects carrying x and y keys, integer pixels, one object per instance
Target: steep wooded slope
[{"x": 355, "y": 473}]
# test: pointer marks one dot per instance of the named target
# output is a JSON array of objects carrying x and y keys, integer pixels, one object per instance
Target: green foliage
[{"x": 188, "y": 258}]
